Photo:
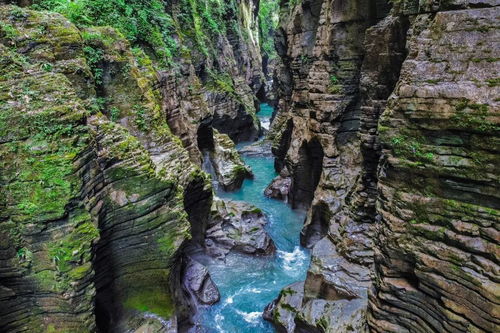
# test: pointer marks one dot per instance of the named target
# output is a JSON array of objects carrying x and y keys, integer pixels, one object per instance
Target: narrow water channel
[{"x": 247, "y": 283}]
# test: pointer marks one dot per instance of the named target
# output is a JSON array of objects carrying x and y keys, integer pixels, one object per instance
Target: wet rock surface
[
  {"x": 260, "y": 148},
  {"x": 279, "y": 188},
  {"x": 333, "y": 298},
  {"x": 238, "y": 226},
  {"x": 198, "y": 282}
]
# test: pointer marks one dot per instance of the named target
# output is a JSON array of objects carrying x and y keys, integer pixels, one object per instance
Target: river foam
[{"x": 248, "y": 283}]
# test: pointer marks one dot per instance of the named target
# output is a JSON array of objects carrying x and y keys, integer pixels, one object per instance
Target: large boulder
[
  {"x": 238, "y": 226},
  {"x": 199, "y": 284},
  {"x": 279, "y": 188},
  {"x": 228, "y": 166}
]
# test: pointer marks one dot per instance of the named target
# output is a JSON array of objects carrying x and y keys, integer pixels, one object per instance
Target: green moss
[
  {"x": 48, "y": 280},
  {"x": 255, "y": 210},
  {"x": 146, "y": 24},
  {"x": 167, "y": 244},
  {"x": 490, "y": 59},
  {"x": 221, "y": 82},
  {"x": 473, "y": 117},
  {"x": 153, "y": 301},
  {"x": 239, "y": 171},
  {"x": 8, "y": 31},
  {"x": 288, "y": 292},
  {"x": 75, "y": 247},
  {"x": 411, "y": 148},
  {"x": 288, "y": 307},
  {"x": 495, "y": 82},
  {"x": 80, "y": 272},
  {"x": 323, "y": 324},
  {"x": 432, "y": 81}
]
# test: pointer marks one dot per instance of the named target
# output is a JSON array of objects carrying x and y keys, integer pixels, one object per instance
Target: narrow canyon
[{"x": 253, "y": 166}]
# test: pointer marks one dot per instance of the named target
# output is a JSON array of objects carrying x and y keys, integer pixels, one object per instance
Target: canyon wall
[
  {"x": 101, "y": 140},
  {"x": 388, "y": 129}
]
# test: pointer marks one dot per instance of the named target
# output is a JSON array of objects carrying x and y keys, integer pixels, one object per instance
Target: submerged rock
[{"x": 238, "y": 226}]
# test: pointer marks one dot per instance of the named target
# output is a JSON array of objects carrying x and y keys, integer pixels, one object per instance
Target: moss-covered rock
[{"x": 92, "y": 200}]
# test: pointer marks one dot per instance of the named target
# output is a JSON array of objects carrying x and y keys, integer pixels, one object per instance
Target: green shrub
[{"x": 142, "y": 22}]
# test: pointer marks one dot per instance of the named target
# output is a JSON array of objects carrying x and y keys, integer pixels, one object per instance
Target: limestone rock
[
  {"x": 332, "y": 299},
  {"x": 283, "y": 310},
  {"x": 237, "y": 226},
  {"x": 94, "y": 211},
  {"x": 261, "y": 148},
  {"x": 227, "y": 163},
  {"x": 198, "y": 282},
  {"x": 279, "y": 188},
  {"x": 438, "y": 181},
  {"x": 382, "y": 124}
]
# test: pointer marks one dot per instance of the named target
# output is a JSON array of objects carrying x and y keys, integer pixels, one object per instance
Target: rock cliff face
[
  {"x": 215, "y": 86},
  {"x": 101, "y": 182},
  {"x": 387, "y": 129},
  {"x": 92, "y": 180}
]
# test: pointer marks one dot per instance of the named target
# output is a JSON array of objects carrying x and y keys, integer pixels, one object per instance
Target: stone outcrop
[
  {"x": 94, "y": 185},
  {"x": 279, "y": 188},
  {"x": 214, "y": 85},
  {"x": 100, "y": 145},
  {"x": 437, "y": 255},
  {"x": 199, "y": 284},
  {"x": 382, "y": 124},
  {"x": 45, "y": 230},
  {"x": 228, "y": 167},
  {"x": 260, "y": 148},
  {"x": 238, "y": 226}
]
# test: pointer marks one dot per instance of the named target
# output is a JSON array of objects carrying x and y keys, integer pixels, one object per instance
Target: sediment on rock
[
  {"x": 99, "y": 206},
  {"x": 436, "y": 237}
]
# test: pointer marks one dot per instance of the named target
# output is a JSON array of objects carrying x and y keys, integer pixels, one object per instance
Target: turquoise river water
[{"x": 248, "y": 283}]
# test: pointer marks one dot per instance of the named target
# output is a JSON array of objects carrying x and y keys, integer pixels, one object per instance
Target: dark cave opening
[
  {"x": 205, "y": 135},
  {"x": 261, "y": 94},
  {"x": 197, "y": 202},
  {"x": 307, "y": 174},
  {"x": 318, "y": 227}
]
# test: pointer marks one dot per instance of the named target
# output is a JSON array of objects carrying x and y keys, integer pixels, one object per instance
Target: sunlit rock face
[{"x": 387, "y": 127}]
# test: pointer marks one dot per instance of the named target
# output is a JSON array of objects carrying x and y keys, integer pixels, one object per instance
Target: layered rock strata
[
  {"x": 93, "y": 181},
  {"x": 382, "y": 128},
  {"x": 228, "y": 167}
]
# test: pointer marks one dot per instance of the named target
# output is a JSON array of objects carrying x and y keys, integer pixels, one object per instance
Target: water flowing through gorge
[
  {"x": 247, "y": 283},
  {"x": 385, "y": 132}
]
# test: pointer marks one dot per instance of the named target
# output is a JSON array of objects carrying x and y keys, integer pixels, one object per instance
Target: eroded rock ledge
[
  {"x": 98, "y": 194},
  {"x": 388, "y": 126}
]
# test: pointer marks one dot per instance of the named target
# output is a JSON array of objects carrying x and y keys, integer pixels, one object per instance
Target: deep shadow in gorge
[{"x": 307, "y": 173}]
